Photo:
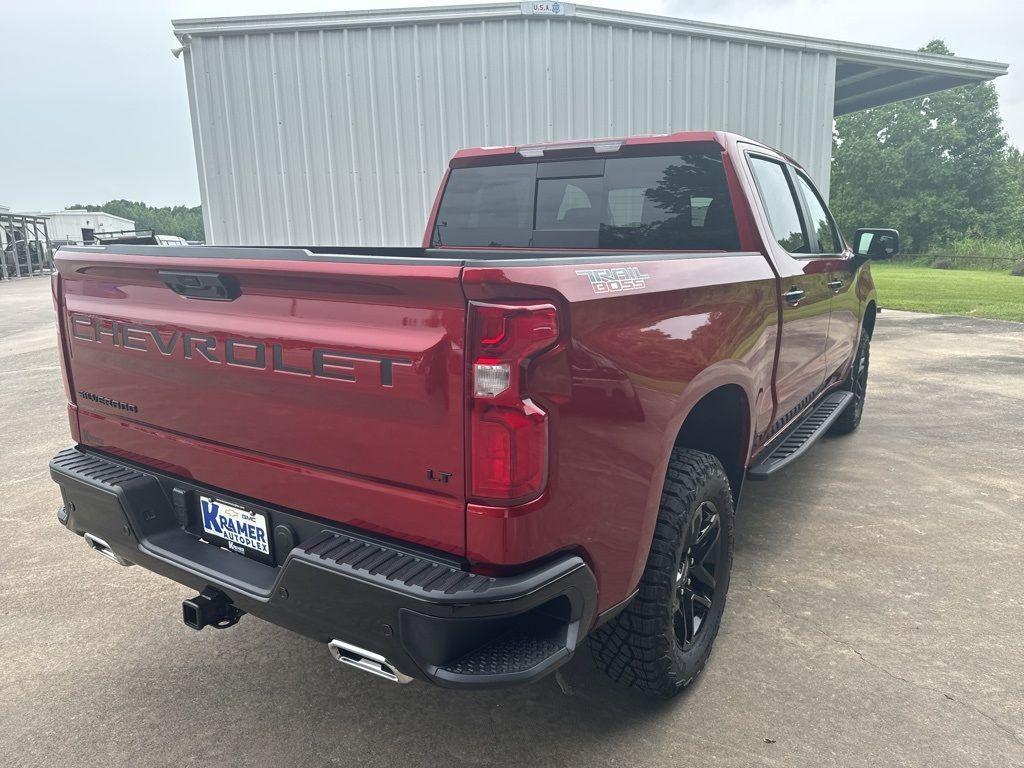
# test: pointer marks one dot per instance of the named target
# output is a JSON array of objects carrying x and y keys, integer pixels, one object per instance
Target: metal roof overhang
[
  {"x": 866, "y": 75},
  {"x": 864, "y": 84}
]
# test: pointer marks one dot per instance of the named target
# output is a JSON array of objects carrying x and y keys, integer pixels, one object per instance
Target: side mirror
[{"x": 876, "y": 243}]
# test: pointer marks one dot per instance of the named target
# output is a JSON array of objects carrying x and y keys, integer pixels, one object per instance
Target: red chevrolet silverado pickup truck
[{"x": 455, "y": 463}]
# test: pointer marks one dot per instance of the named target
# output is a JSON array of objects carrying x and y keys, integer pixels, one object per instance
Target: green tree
[
  {"x": 1015, "y": 170},
  {"x": 936, "y": 168},
  {"x": 177, "y": 220}
]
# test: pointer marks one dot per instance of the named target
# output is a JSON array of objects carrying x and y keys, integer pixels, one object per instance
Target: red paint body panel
[
  {"x": 617, "y": 392},
  {"x": 343, "y": 446},
  {"x": 351, "y": 442}
]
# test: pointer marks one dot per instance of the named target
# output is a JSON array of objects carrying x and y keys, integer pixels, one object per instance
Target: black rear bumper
[{"x": 424, "y": 612}]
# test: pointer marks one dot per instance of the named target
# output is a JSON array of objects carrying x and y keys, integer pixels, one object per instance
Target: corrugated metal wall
[{"x": 341, "y": 135}]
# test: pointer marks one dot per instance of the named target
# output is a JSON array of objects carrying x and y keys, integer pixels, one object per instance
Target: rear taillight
[
  {"x": 508, "y": 436},
  {"x": 58, "y": 308}
]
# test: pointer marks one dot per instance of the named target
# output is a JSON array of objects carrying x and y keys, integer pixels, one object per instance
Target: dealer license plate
[{"x": 241, "y": 531}]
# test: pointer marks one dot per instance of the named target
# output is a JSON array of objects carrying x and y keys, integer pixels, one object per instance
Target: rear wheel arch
[
  {"x": 719, "y": 425},
  {"x": 662, "y": 639}
]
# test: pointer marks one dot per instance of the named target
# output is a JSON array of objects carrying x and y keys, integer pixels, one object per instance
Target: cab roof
[{"x": 605, "y": 145}]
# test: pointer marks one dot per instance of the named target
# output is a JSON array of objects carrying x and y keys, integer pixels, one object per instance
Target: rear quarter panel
[{"x": 631, "y": 365}]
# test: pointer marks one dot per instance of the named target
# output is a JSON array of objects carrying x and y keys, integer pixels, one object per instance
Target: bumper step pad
[
  {"x": 514, "y": 652},
  {"x": 94, "y": 470},
  {"x": 394, "y": 565}
]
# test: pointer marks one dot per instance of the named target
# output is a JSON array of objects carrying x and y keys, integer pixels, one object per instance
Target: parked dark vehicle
[{"x": 456, "y": 462}]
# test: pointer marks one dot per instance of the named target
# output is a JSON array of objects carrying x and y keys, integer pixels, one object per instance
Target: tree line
[
  {"x": 180, "y": 220},
  {"x": 939, "y": 168}
]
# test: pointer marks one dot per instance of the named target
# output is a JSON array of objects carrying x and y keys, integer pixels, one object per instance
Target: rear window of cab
[{"x": 663, "y": 202}]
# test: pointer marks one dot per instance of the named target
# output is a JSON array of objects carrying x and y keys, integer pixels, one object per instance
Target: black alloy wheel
[
  {"x": 857, "y": 384},
  {"x": 696, "y": 574},
  {"x": 661, "y": 641},
  {"x": 859, "y": 376}
]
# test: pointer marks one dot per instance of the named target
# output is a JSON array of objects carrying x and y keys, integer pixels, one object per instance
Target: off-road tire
[
  {"x": 857, "y": 383},
  {"x": 640, "y": 647}
]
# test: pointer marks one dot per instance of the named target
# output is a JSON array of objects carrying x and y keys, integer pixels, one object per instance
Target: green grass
[{"x": 973, "y": 293}]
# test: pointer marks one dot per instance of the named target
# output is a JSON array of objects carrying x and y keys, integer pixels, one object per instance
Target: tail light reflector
[{"x": 508, "y": 440}]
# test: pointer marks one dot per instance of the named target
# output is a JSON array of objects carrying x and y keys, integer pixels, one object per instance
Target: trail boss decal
[
  {"x": 239, "y": 527},
  {"x": 615, "y": 280}
]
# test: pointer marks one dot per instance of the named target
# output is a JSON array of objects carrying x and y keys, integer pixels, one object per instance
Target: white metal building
[
  {"x": 335, "y": 128},
  {"x": 74, "y": 225}
]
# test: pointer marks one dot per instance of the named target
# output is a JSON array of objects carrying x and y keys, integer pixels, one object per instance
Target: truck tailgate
[{"x": 332, "y": 387}]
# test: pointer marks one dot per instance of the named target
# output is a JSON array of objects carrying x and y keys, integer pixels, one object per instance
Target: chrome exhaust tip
[
  {"x": 96, "y": 544},
  {"x": 366, "y": 661}
]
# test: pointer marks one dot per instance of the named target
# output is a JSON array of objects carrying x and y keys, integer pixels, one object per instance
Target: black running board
[{"x": 797, "y": 440}]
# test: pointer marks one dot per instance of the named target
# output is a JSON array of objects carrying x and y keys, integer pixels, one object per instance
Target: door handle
[
  {"x": 836, "y": 285},
  {"x": 793, "y": 296}
]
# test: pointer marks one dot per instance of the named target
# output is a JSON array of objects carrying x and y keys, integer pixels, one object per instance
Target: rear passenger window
[
  {"x": 821, "y": 222},
  {"x": 780, "y": 205}
]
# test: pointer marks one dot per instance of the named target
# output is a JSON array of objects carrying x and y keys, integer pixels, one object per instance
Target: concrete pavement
[{"x": 876, "y": 616}]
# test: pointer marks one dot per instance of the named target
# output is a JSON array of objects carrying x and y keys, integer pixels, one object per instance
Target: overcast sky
[{"x": 93, "y": 105}]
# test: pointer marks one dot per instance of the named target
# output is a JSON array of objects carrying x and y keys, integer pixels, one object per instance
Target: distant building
[
  {"x": 78, "y": 226},
  {"x": 5, "y": 208},
  {"x": 337, "y": 127}
]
